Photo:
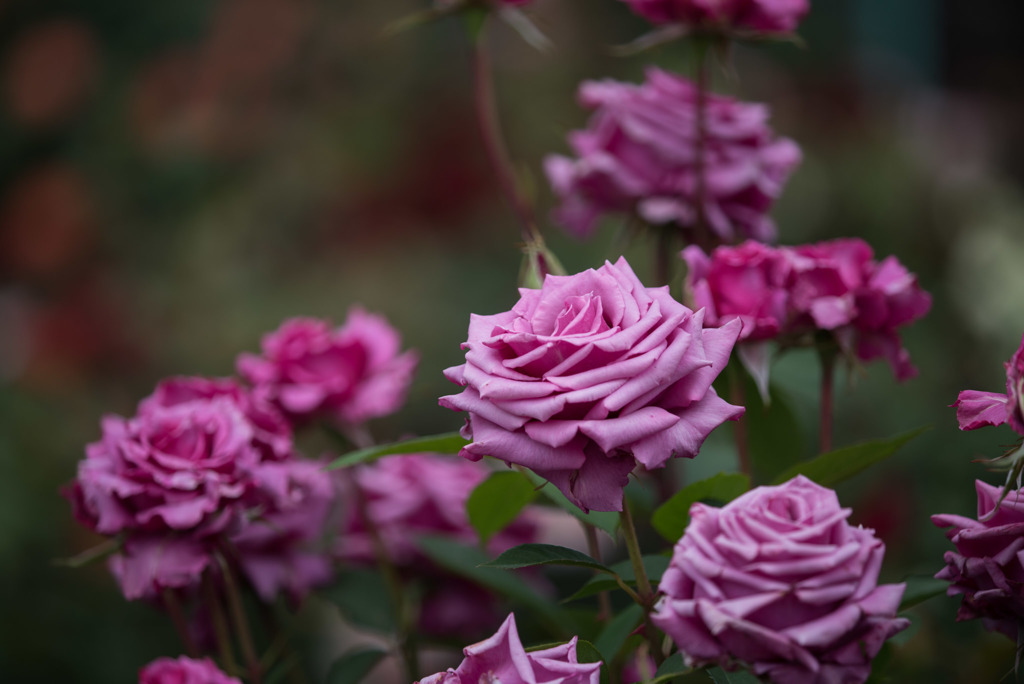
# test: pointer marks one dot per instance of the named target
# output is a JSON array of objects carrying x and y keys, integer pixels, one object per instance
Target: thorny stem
[
  {"x": 173, "y": 607},
  {"x": 643, "y": 584},
  {"x": 603, "y": 601},
  {"x": 237, "y": 612},
  {"x": 220, "y": 624},
  {"x": 494, "y": 146},
  {"x": 828, "y": 364}
]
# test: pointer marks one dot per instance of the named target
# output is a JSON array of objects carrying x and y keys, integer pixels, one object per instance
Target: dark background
[{"x": 178, "y": 177}]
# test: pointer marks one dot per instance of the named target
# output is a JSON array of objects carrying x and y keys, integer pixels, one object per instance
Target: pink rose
[
  {"x": 280, "y": 550},
  {"x": 352, "y": 373},
  {"x": 502, "y": 658},
  {"x": 762, "y": 16},
  {"x": 987, "y": 568},
  {"x": 778, "y": 581},
  {"x": 638, "y": 156},
  {"x": 589, "y": 376},
  {"x": 184, "y": 671},
  {"x": 976, "y": 409}
]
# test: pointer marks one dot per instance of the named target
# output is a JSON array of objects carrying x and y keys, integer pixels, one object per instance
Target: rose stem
[
  {"x": 663, "y": 255},
  {"x": 403, "y": 612},
  {"x": 643, "y": 584},
  {"x": 494, "y": 146},
  {"x": 828, "y": 364},
  {"x": 237, "y": 612},
  {"x": 173, "y": 607},
  {"x": 702, "y": 235},
  {"x": 739, "y": 428},
  {"x": 220, "y": 624},
  {"x": 604, "y": 603}
]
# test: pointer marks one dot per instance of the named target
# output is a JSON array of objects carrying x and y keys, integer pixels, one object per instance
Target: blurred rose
[
  {"x": 976, "y": 409},
  {"x": 761, "y": 16},
  {"x": 184, "y": 671}
]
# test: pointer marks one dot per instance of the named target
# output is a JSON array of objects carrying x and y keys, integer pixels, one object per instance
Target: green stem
[
  {"x": 828, "y": 364},
  {"x": 177, "y": 615},
  {"x": 643, "y": 584},
  {"x": 702, "y": 233},
  {"x": 603, "y": 600},
  {"x": 237, "y": 613},
  {"x": 738, "y": 396},
  {"x": 220, "y": 624}
]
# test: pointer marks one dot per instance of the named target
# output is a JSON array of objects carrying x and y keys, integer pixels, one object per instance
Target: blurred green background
[{"x": 178, "y": 177}]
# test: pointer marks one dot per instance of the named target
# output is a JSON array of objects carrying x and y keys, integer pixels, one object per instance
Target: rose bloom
[
  {"x": 987, "y": 568},
  {"x": 589, "y": 376},
  {"x": 976, "y": 409},
  {"x": 638, "y": 155},
  {"x": 350, "y": 374},
  {"x": 778, "y": 581},
  {"x": 761, "y": 16},
  {"x": 502, "y": 658},
  {"x": 184, "y": 671}
]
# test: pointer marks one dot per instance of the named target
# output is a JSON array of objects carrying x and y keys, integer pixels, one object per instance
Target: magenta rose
[
  {"x": 502, "y": 658},
  {"x": 638, "y": 156},
  {"x": 779, "y": 582},
  {"x": 350, "y": 374},
  {"x": 184, "y": 671},
  {"x": 589, "y": 376},
  {"x": 976, "y": 409},
  {"x": 987, "y": 568},
  {"x": 761, "y": 16},
  {"x": 281, "y": 550}
]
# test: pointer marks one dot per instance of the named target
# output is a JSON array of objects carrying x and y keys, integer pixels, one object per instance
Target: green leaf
[
  {"x": 672, "y": 517},
  {"x": 602, "y": 520},
  {"x": 363, "y": 599},
  {"x": 586, "y": 652},
  {"x": 470, "y": 562},
  {"x": 497, "y": 501},
  {"x": 615, "y": 633},
  {"x": 674, "y": 666},
  {"x": 920, "y": 588},
  {"x": 447, "y": 443},
  {"x": 528, "y": 555},
  {"x": 832, "y": 468},
  {"x": 720, "y": 676},
  {"x": 654, "y": 565},
  {"x": 353, "y": 667}
]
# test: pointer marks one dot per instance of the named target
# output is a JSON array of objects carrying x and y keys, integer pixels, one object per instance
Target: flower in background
[
  {"x": 976, "y": 409},
  {"x": 987, "y": 568},
  {"x": 502, "y": 658},
  {"x": 184, "y": 671},
  {"x": 589, "y": 376},
  {"x": 349, "y": 374},
  {"x": 778, "y": 580},
  {"x": 639, "y": 155},
  {"x": 760, "y": 16}
]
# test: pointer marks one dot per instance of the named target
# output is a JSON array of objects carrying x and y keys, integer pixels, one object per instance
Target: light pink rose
[
  {"x": 779, "y": 582},
  {"x": 987, "y": 568},
  {"x": 502, "y": 658},
  {"x": 638, "y": 155},
  {"x": 589, "y": 376},
  {"x": 976, "y": 409},
  {"x": 350, "y": 374},
  {"x": 184, "y": 671},
  {"x": 761, "y": 16}
]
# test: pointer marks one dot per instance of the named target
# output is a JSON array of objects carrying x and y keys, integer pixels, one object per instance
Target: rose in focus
[
  {"x": 760, "y": 16},
  {"x": 348, "y": 374},
  {"x": 502, "y": 658},
  {"x": 778, "y": 581},
  {"x": 589, "y": 376},
  {"x": 639, "y": 155},
  {"x": 987, "y": 568}
]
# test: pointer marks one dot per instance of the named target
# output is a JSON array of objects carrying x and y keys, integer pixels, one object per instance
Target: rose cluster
[
  {"x": 589, "y": 376},
  {"x": 790, "y": 293},
  {"x": 663, "y": 152},
  {"x": 778, "y": 581},
  {"x": 759, "y": 16}
]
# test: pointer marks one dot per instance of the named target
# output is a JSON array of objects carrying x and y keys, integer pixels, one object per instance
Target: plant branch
[
  {"x": 237, "y": 613},
  {"x": 643, "y": 584}
]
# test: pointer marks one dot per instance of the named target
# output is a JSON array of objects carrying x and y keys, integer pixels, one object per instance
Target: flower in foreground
[
  {"x": 184, "y": 671},
  {"x": 502, "y": 658},
  {"x": 975, "y": 409},
  {"x": 589, "y": 376},
  {"x": 761, "y": 16},
  {"x": 987, "y": 568},
  {"x": 638, "y": 156},
  {"x": 779, "y": 582},
  {"x": 349, "y": 374}
]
